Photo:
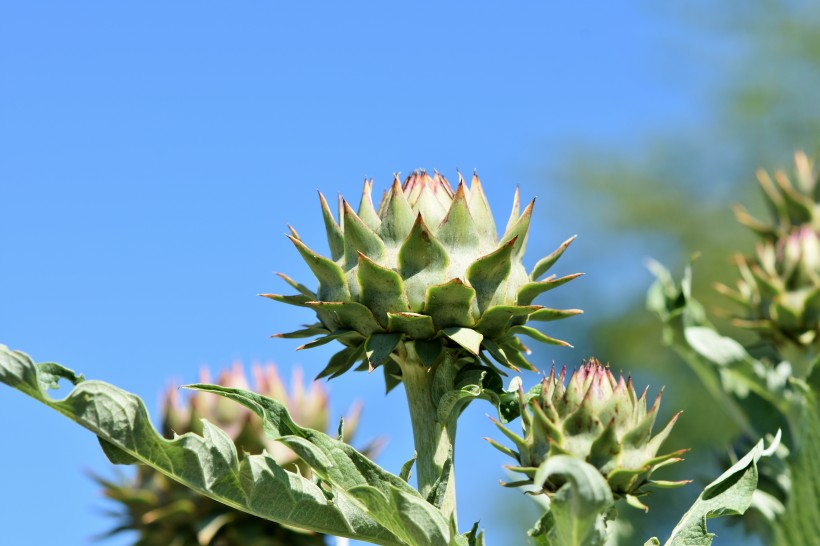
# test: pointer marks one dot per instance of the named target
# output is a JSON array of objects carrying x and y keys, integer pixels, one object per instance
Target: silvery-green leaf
[
  {"x": 730, "y": 494},
  {"x": 385, "y": 497},
  {"x": 578, "y": 512},
  {"x": 209, "y": 464}
]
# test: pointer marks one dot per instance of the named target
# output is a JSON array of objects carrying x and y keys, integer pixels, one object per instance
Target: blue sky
[{"x": 151, "y": 158}]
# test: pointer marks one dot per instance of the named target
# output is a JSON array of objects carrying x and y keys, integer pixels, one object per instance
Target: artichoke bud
[
  {"x": 779, "y": 286},
  {"x": 597, "y": 418},
  {"x": 164, "y": 512},
  {"x": 424, "y": 267}
]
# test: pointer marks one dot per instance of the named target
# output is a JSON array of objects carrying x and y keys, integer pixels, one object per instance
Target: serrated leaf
[
  {"x": 207, "y": 464},
  {"x": 730, "y": 494},
  {"x": 387, "y": 498}
]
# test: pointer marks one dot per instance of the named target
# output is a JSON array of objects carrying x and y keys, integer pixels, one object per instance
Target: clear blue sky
[{"x": 151, "y": 158}]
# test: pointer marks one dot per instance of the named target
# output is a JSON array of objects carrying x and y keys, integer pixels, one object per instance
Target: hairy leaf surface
[{"x": 356, "y": 499}]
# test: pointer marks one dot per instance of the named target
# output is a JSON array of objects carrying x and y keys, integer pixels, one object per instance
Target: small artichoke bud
[
  {"x": 779, "y": 286},
  {"x": 597, "y": 418}
]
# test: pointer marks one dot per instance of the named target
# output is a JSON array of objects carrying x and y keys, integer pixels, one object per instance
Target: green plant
[
  {"x": 422, "y": 287},
  {"x": 771, "y": 383}
]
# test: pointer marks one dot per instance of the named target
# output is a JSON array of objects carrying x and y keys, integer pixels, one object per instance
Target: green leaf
[
  {"x": 209, "y": 463},
  {"x": 730, "y": 494},
  {"x": 724, "y": 367},
  {"x": 407, "y": 468},
  {"x": 473, "y": 382},
  {"x": 387, "y": 498},
  {"x": 578, "y": 512}
]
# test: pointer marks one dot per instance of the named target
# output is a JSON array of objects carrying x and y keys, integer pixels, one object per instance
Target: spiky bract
[
  {"x": 426, "y": 266},
  {"x": 596, "y": 418},
  {"x": 166, "y": 513},
  {"x": 779, "y": 287}
]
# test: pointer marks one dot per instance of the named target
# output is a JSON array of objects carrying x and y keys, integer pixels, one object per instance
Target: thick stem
[{"x": 433, "y": 440}]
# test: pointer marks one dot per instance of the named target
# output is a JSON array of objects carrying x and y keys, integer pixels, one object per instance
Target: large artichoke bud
[
  {"x": 426, "y": 266},
  {"x": 596, "y": 418},
  {"x": 166, "y": 513},
  {"x": 779, "y": 287}
]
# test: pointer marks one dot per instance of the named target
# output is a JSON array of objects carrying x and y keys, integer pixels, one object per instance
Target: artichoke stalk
[{"x": 422, "y": 287}]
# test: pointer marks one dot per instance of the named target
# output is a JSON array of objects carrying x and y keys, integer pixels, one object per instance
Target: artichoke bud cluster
[
  {"x": 779, "y": 286},
  {"x": 426, "y": 268},
  {"x": 164, "y": 512},
  {"x": 598, "y": 419}
]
